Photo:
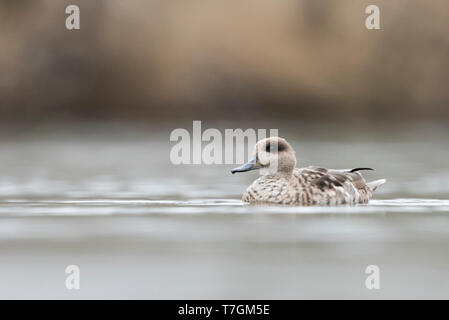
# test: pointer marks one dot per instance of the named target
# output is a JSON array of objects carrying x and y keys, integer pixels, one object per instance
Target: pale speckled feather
[{"x": 310, "y": 186}]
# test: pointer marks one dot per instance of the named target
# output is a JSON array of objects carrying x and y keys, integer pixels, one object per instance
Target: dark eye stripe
[{"x": 280, "y": 146}]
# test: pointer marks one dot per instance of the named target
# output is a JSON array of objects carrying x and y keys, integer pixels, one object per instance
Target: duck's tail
[{"x": 373, "y": 185}]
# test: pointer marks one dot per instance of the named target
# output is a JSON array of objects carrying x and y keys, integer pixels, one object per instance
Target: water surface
[{"x": 110, "y": 201}]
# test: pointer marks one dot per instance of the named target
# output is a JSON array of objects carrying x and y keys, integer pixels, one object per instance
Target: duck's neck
[
  {"x": 280, "y": 174},
  {"x": 284, "y": 174}
]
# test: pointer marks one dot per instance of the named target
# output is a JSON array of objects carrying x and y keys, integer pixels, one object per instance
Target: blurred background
[
  {"x": 139, "y": 60},
  {"x": 85, "y": 174}
]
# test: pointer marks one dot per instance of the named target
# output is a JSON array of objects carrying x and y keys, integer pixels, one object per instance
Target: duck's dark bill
[{"x": 250, "y": 165}]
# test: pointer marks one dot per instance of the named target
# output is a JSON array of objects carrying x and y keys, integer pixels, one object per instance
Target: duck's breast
[{"x": 270, "y": 189}]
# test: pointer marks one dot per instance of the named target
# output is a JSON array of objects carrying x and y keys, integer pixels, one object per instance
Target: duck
[{"x": 282, "y": 183}]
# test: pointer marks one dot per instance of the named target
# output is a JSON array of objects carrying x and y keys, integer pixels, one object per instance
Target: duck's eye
[{"x": 267, "y": 148}]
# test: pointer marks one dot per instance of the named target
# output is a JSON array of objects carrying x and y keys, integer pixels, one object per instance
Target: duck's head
[{"x": 272, "y": 155}]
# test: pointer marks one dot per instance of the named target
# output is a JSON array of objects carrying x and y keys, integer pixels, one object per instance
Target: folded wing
[{"x": 329, "y": 186}]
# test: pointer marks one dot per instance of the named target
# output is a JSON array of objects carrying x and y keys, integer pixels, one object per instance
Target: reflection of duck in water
[{"x": 282, "y": 183}]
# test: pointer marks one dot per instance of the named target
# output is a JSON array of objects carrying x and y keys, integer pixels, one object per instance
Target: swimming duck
[{"x": 282, "y": 183}]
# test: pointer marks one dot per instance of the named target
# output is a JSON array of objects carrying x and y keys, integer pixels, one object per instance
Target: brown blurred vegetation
[{"x": 151, "y": 60}]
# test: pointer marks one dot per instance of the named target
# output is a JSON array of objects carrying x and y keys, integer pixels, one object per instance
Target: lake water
[{"x": 107, "y": 198}]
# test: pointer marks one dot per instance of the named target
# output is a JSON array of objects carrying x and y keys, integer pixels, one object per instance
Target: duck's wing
[
  {"x": 357, "y": 179},
  {"x": 329, "y": 186},
  {"x": 341, "y": 175}
]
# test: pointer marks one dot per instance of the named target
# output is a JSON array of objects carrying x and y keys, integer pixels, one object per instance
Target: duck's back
[
  {"x": 321, "y": 186},
  {"x": 312, "y": 186}
]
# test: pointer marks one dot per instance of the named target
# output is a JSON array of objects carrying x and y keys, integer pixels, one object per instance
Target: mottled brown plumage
[{"x": 282, "y": 183}]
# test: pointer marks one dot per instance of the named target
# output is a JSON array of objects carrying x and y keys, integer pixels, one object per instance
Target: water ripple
[{"x": 83, "y": 207}]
